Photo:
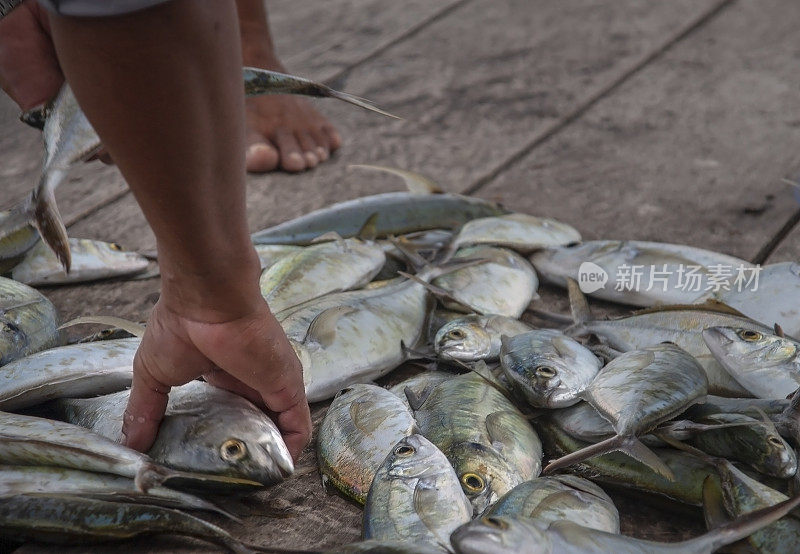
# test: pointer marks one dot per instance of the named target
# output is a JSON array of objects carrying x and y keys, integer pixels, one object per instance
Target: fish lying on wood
[
  {"x": 69, "y": 138},
  {"x": 205, "y": 430},
  {"x": 28, "y": 321}
]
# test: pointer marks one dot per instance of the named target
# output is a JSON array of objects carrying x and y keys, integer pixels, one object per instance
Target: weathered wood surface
[
  {"x": 687, "y": 149},
  {"x": 690, "y": 150}
]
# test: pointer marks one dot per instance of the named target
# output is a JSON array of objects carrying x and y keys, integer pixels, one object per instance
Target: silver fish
[
  {"x": 773, "y": 298},
  {"x": 636, "y": 392},
  {"x": 510, "y": 535},
  {"x": 476, "y": 337},
  {"x": 361, "y": 425},
  {"x": 16, "y": 480},
  {"x": 549, "y": 369},
  {"x": 269, "y": 254},
  {"x": 357, "y": 336},
  {"x": 394, "y": 213},
  {"x": 490, "y": 443},
  {"x": 682, "y": 325},
  {"x": 205, "y": 430},
  {"x": 567, "y": 497},
  {"x": 76, "y": 370},
  {"x": 418, "y": 383},
  {"x": 505, "y": 285},
  {"x": 15, "y": 243},
  {"x": 416, "y": 496},
  {"x": 65, "y": 518},
  {"x": 26, "y": 440},
  {"x": 70, "y": 138},
  {"x": 28, "y": 321},
  {"x": 91, "y": 260},
  {"x": 320, "y": 269},
  {"x": 766, "y": 365},
  {"x": 665, "y": 273},
  {"x": 522, "y": 233}
]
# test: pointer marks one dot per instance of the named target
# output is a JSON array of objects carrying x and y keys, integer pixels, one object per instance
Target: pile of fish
[{"x": 502, "y": 442}]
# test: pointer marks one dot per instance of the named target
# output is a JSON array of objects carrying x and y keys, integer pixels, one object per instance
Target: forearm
[{"x": 179, "y": 141}]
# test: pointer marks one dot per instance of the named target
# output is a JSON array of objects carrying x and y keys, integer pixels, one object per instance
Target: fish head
[
  {"x": 485, "y": 475},
  {"x": 413, "y": 457},
  {"x": 778, "y": 458},
  {"x": 500, "y": 535},
  {"x": 114, "y": 255},
  {"x": 740, "y": 348},
  {"x": 235, "y": 440},
  {"x": 548, "y": 368},
  {"x": 463, "y": 339},
  {"x": 12, "y": 338}
]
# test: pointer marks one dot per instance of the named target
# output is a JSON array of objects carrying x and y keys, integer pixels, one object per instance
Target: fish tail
[
  {"x": 636, "y": 449},
  {"x": 578, "y": 305},
  {"x": 415, "y": 182},
  {"x": 597, "y": 449},
  {"x": 262, "y": 81},
  {"x": 151, "y": 475},
  {"x": 738, "y": 528},
  {"x": 47, "y": 219}
]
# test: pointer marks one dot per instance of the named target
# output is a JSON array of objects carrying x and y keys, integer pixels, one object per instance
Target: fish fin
[
  {"x": 483, "y": 371},
  {"x": 323, "y": 327},
  {"x": 603, "y": 447},
  {"x": 414, "y": 181},
  {"x": 779, "y": 331},
  {"x": 562, "y": 346},
  {"x": 636, "y": 449},
  {"x": 369, "y": 231},
  {"x": 441, "y": 293},
  {"x": 151, "y": 475},
  {"x": 551, "y": 316},
  {"x": 365, "y": 422},
  {"x": 605, "y": 352},
  {"x": 263, "y": 81},
  {"x": 578, "y": 305},
  {"x": 410, "y": 254},
  {"x": 47, "y": 219},
  {"x": 417, "y": 354},
  {"x": 709, "y": 305},
  {"x": 415, "y": 401},
  {"x": 714, "y": 503},
  {"x": 739, "y": 528},
  {"x": 424, "y": 499},
  {"x": 499, "y": 429},
  {"x": 135, "y": 329}
]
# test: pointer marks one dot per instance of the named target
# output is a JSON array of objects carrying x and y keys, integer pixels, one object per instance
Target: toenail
[{"x": 321, "y": 153}]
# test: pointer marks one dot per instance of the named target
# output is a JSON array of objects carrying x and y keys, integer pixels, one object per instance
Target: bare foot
[{"x": 283, "y": 131}]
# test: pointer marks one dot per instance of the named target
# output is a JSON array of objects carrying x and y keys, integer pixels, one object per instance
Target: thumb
[{"x": 146, "y": 406}]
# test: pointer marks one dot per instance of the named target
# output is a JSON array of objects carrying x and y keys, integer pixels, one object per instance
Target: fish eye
[
  {"x": 473, "y": 482},
  {"x": 495, "y": 522},
  {"x": 772, "y": 439},
  {"x": 115, "y": 246},
  {"x": 404, "y": 451},
  {"x": 545, "y": 372},
  {"x": 233, "y": 450},
  {"x": 749, "y": 336},
  {"x": 457, "y": 334}
]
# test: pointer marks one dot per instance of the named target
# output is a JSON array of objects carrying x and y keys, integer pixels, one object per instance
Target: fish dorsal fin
[
  {"x": 133, "y": 328},
  {"x": 415, "y": 182},
  {"x": 710, "y": 305},
  {"x": 578, "y": 305},
  {"x": 714, "y": 503},
  {"x": 369, "y": 231},
  {"x": 410, "y": 253},
  {"x": 415, "y": 401},
  {"x": 35, "y": 117},
  {"x": 323, "y": 327},
  {"x": 779, "y": 331}
]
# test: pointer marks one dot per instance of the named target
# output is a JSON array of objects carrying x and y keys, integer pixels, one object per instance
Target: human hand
[
  {"x": 248, "y": 354},
  {"x": 29, "y": 69}
]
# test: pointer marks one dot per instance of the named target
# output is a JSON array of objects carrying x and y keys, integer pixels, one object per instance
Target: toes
[
  {"x": 261, "y": 157},
  {"x": 309, "y": 147},
  {"x": 292, "y": 159},
  {"x": 334, "y": 138},
  {"x": 320, "y": 140}
]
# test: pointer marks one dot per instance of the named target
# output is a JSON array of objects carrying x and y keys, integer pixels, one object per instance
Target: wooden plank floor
[{"x": 665, "y": 121}]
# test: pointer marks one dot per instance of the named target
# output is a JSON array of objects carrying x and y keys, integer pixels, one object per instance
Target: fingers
[
  {"x": 295, "y": 426},
  {"x": 146, "y": 407}
]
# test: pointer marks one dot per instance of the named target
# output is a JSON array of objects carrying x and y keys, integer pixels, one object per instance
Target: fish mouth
[{"x": 280, "y": 461}]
